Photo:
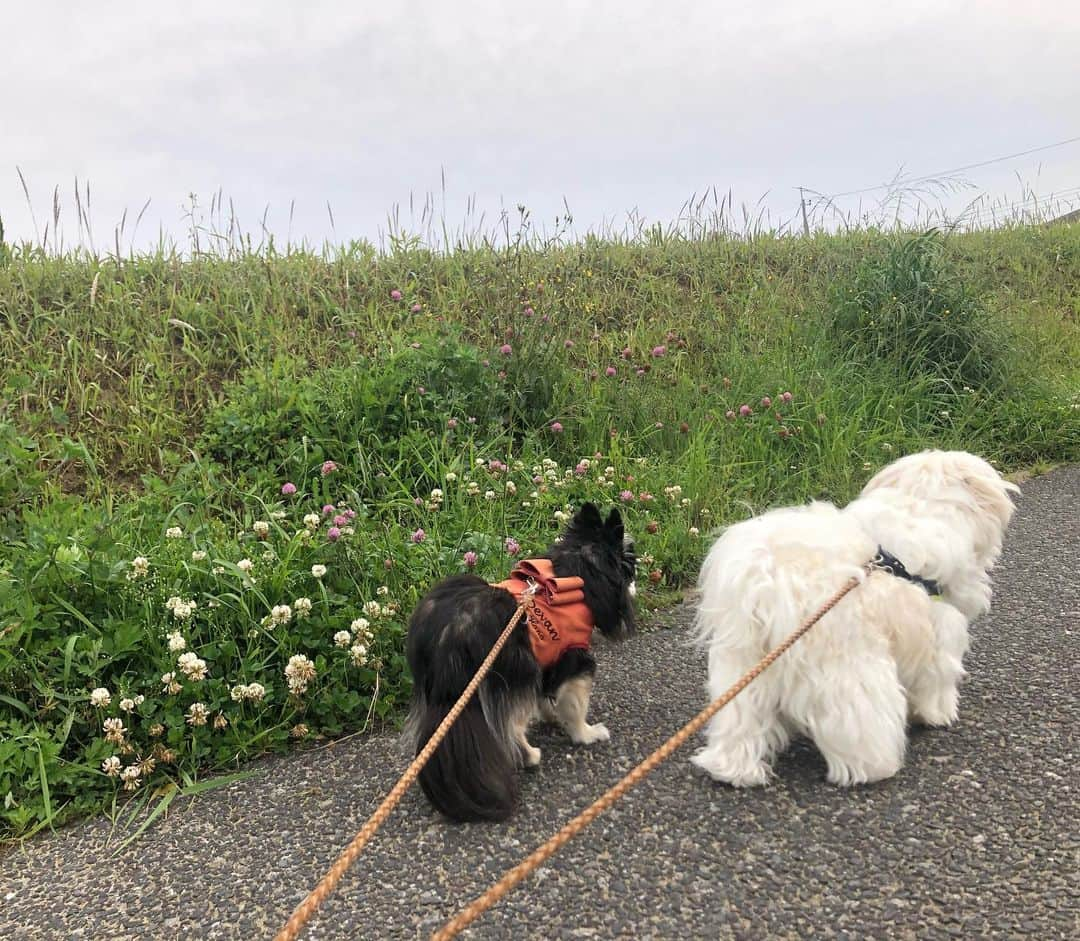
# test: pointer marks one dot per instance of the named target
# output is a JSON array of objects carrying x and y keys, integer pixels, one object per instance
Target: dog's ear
[
  {"x": 589, "y": 517},
  {"x": 614, "y": 527}
]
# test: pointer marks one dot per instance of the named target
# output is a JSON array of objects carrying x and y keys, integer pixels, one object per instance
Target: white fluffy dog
[{"x": 890, "y": 651}]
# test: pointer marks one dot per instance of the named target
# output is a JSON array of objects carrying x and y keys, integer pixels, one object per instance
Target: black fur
[{"x": 472, "y": 775}]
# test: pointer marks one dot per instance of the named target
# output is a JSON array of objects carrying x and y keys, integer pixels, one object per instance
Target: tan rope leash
[
  {"x": 513, "y": 876},
  {"x": 303, "y": 912}
]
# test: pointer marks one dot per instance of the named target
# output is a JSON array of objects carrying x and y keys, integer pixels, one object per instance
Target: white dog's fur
[{"x": 886, "y": 654}]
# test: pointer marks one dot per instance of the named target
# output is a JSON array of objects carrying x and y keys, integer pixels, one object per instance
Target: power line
[{"x": 954, "y": 170}]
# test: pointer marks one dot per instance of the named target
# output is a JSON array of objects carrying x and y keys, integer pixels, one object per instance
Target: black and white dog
[{"x": 585, "y": 580}]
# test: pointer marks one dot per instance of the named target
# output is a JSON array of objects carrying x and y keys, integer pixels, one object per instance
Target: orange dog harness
[{"x": 558, "y": 618}]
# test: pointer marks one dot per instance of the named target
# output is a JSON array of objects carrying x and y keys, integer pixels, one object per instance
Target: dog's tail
[{"x": 471, "y": 776}]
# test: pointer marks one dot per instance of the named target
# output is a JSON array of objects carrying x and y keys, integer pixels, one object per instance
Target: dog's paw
[
  {"x": 939, "y": 710},
  {"x": 591, "y": 734},
  {"x": 755, "y": 774},
  {"x": 530, "y": 757},
  {"x": 845, "y": 774}
]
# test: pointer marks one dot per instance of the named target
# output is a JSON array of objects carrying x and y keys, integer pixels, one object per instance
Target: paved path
[{"x": 977, "y": 837}]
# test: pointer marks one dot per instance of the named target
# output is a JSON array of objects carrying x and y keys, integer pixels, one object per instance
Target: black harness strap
[{"x": 887, "y": 562}]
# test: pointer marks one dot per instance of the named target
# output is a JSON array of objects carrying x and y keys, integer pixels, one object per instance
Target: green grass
[{"x": 152, "y": 392}]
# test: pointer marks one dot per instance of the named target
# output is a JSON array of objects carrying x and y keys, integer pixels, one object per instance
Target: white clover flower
[
  {"x": 302, "y": 608},
  {"x": 312, "y": 521},
  {"x": 218, "y": 570},
  {"x": 560, "y": 516},
  {"x": 549, "y": 464},
  {"x": 518, "y": 466},
  {"x": 300, "y": 671},
  {"x": 473, "y": 489},
  {"x": 177, "y": 642},
  {"x": 100, "y": 697},
  {"x": 342, "y": 639},
  {"x": 372, "y": 609},
  {"x": 480, "y": 462},
  {"x": 348, "y": 531},
  {"x": 261, "y": 528},
  {"x": 382, "y": 591},
  {"x": 127, "y": 705},
  {"x": 114, "y": 730},
  {"x": 199, "y": 555},
  {"x": 252, "y": 691},
  {"x": 706, "y": 512},
  {"x": 437, "y": 495},
  {"x": 140, "y": 699},
  {"x": 245, "y": 565},
  {"x": 358, "y": 655},
  {"x": 169, "y": 684},
  {"x": 192, "y": 666},
  {"x": 609, "y": 471},
  {"x": 268, "y": 555},
  {"x": 318, "y": 571},
  {"x": 694, "y": 531},
  {"x": 278, "y": 515},
  {"x": 220, "y": 722},
  {"x": 130, "y": 777},
  {"x": 526, "y": 504},
  {"x": 174, "y": 532},
  {"x": 489, "y": 495},
  {"x": 197, "y": 714},
  {"x": 451, "y": 477},
  {"x": 111, "y": 766},
  {"x": 140, "y": 567},
  {"x": 684, "y": 502},
  {"x": 511, "y": 487},
  {"x": 181, "y": 610},
  {"x": 360, "y": 626},
  {"x": 551, "y": 474},
  {"x": 280, "y": 614},
  {"x": 585, "y": 463}
]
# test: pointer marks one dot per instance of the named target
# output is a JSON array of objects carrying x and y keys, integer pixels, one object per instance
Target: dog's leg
[
  {"x": 571, "y": 707},
  {"x": 519, "y": 725},
  {"x": 857, "y": 719},
  {"x": 547, "y": 709},
  {"x": 743, "y": 737},
  {"x": 933, "y": 686}
]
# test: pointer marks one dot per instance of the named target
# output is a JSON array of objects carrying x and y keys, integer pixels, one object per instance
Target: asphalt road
[{"x": 977, "y": 837}]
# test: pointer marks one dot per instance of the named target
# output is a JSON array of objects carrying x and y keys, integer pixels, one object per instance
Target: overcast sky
[{"x": 612, "y": 106}]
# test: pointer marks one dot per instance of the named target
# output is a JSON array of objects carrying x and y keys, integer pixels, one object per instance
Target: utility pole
[{"x": 802, "y": 203}]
